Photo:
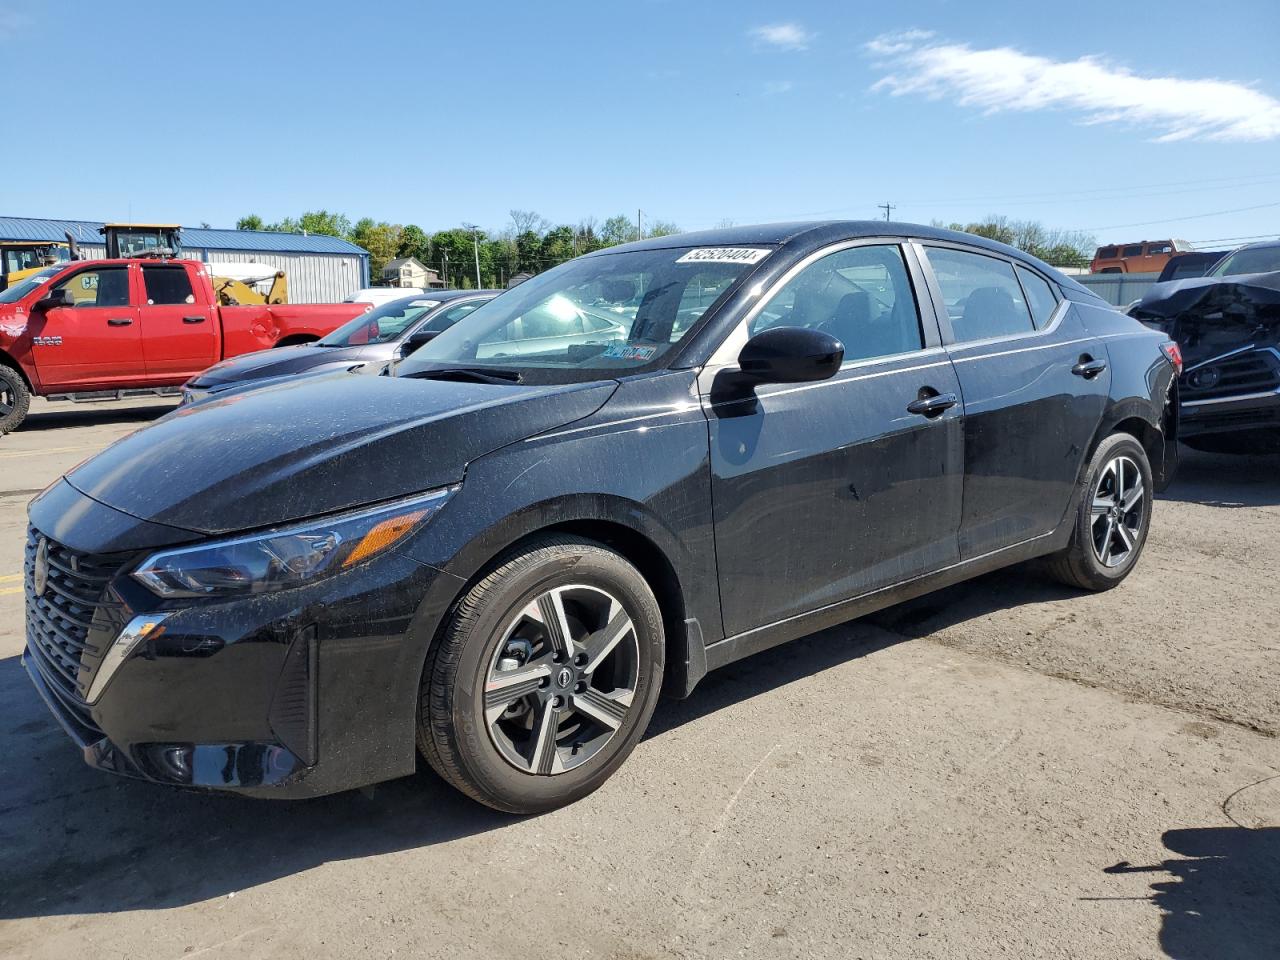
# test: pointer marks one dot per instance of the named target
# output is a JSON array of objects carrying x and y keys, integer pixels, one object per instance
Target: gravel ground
[{"x": 1002, "y": 769}]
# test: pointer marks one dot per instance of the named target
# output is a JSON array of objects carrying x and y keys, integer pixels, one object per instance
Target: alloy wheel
[
  {"x": 1118, "y": 511},
  {"x": 562, "y": 679}
]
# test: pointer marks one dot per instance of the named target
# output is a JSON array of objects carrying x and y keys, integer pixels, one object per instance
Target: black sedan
[
  {"x": 639, "y": 466},
  {"x": 386, "y": 333}
]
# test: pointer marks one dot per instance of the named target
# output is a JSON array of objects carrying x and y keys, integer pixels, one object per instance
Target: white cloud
[
  {"x": 784, "y": 36},
  {"x": 1001, "y": 78}
]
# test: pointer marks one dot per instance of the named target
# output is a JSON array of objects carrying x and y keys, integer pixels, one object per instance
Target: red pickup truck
[{"x": 92, "y": 329}]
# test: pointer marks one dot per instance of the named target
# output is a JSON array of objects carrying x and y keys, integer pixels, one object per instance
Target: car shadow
[
  {"x": 62, "y": 415},
  {"x": 1217, "y": 893},
  {"x": 75, "y": 841},
  {"x": 1226, "y": 480}
]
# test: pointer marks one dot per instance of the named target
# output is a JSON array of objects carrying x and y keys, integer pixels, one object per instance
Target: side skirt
[{"x": 730, "y": 649}]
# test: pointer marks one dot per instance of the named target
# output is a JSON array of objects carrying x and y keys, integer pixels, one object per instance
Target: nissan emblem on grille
[{"x": 40, "y": 575}]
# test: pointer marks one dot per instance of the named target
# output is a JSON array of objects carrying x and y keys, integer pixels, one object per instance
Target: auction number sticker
[{"x": 724, "y": 255}]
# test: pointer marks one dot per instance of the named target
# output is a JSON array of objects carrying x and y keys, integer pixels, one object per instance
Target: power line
[{"x": 1194, "y": 216}]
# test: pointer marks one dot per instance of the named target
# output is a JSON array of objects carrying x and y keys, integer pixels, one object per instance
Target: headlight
[{"x": 288, "y": 556}]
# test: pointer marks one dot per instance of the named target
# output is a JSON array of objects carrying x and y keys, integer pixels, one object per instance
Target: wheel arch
[
  {"x": 623, "y": 527},
  {"x": 9, "y": 360},
  {"x": 1137, "y": 420}
]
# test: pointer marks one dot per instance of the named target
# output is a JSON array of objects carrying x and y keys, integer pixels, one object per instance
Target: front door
[
  {"x": 1035, "y": 385},
  {"x": 826, "y": 491},
  {"x": 179, "y": 335},
  {"x": 94, "y": 345}
]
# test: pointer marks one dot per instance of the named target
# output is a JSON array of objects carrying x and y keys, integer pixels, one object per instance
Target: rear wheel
[
  {"x": 1113, "y": 515},
  {"x": 15, "y": 400},
  {"x": 545, "y": 678}
]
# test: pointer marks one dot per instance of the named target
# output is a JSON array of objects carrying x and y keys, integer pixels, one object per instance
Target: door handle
[
  {"x": 119, "y": 322},
  {"x": 1089, "y": 367},
  {"x": 193, "y": 319},
  {"x": 933, "y": 406}
]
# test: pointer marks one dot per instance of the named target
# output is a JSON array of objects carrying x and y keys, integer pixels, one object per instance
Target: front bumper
[
  {"x": 1255, "y": 411},
  {"x": 298, "y": 693}
]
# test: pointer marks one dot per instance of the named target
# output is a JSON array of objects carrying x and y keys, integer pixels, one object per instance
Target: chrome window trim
[
  {"x": 1236, "y": 399},
  {"x": 726, "y": 354}
]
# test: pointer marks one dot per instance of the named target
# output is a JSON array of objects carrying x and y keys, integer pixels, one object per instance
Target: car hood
[
  {"x": 286, "y": 361},
  {"x": 315, "y": 446},
  {"x": 1210, "y": 316}
]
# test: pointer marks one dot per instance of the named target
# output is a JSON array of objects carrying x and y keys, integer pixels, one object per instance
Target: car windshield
[
  {"x": 594, "y": 316},
  {"x": 19, "y": 290},
  {"x": 382, "y": 324},
  {"x": 1249, "y": 260}
]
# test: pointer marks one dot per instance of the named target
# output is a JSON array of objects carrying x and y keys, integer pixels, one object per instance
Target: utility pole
[
  {"x": 639, "y": 229},
  {"x": 475, "y": 240},
  {"x": 887, "y": 208},
  {"x": 445, "y": 253}
]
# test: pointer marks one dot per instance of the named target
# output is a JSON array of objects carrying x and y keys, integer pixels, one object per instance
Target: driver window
[
  {"x": 861, "y": 296},
  {"x": 103, "y": 287}
]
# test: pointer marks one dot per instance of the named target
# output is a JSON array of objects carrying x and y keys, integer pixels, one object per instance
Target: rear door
[
  {"x": 179, "y": 335},
  {"x": 96, "y": 344},
  {"x": 826, "y": 491},
  {"x": 1034, "y": 385}
]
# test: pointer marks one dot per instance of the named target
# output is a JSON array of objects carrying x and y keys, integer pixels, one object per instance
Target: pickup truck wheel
[
  {"x": 545, "y": 677},
  {"x": 15, "y": 400}
]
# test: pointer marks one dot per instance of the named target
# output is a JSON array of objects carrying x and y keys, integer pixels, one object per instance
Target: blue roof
[{"x": 197, "y": 238}]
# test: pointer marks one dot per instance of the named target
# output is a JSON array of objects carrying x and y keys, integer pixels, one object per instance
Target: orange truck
[{"x": 1147, "y": 256}]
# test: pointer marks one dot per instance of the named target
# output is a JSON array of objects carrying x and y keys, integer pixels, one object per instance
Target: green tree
[
  {"x": 453, "y": 254},
  {"x": 382, "y": 240},
  {"x": 251, "y": 222},
  {"x": 617, "y": 230},
  {"x": 325, "y": 223},
  {"x": 415, "y": 243},
  {"x": 661, "y": 228}
]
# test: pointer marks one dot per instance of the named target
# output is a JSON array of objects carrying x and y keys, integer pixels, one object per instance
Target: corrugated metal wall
[
  {"x": 313, "y": 277},
  {"x": 1119, "y": 289}
]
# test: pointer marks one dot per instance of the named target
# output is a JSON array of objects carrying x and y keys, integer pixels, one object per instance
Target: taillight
[{"x": 1174, "y": 355}]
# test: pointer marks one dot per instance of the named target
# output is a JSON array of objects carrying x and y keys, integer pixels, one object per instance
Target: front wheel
[
  {"x": 545, "y": 678},
  {"x": 15, "y": 400},
  {"x": 1113, "y": 515}
]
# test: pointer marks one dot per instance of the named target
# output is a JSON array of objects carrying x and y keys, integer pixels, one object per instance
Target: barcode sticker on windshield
[{"x": 724, "y": 255}]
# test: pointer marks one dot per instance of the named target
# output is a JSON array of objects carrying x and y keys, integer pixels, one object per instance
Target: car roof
[{"x": 805, "y": 236}]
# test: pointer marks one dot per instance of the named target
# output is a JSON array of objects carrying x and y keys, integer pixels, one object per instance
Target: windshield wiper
[{"x": 474, "y": 374}]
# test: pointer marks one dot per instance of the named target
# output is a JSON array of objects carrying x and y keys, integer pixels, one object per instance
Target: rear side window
[
  {"x": 103, "y": 287},
  {"x": 982, "y": 295},
  {"x": 1106, "y": 253},
  {"x": 1040, "y": 297},
  {"x": 1134, "y": 251},
  {"x": 167, "y": 285}
]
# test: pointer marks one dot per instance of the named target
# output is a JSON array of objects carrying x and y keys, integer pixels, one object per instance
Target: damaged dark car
[{"x": 1227, "y": 325}]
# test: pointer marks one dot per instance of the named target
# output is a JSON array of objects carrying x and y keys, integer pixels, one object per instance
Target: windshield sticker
[
  {"x": 724, "y": 255},
  {"x": 621, "y": 350}
]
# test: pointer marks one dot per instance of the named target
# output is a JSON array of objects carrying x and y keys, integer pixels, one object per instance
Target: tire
[
  {"x": 487, "y": 713},
  {"x": 15, "y": 400},
  {"x": 1109, "y": 532}
]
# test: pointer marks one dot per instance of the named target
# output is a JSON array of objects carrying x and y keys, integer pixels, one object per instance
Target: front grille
[
  {"x": 70, "y": 626},
  {"x": 1256, "y": 371}
]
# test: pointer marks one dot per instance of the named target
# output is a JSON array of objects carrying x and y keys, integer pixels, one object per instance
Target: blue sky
[{"x": 696, "y": 112}]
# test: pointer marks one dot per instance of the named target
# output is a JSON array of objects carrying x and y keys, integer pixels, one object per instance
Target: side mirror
[
  {"x": 54, "y": 300},
  {"x": 791, "y": 355},
  {"x": 419, "y": 338}
]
